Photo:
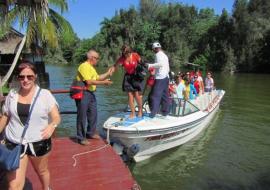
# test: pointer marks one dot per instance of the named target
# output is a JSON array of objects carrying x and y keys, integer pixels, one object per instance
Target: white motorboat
[{"x": 144, "y": 137}]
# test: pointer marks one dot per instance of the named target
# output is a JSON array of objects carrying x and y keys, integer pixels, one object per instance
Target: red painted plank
[{"x": 97, "y": 170}]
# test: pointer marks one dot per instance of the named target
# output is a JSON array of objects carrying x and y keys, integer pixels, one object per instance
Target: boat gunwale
[
  {"x": 134, "y": 130},
  {"x": 191, "y": 124}
]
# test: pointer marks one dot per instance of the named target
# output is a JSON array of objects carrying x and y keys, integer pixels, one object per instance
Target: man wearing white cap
[{"x": 159, "y": 94}]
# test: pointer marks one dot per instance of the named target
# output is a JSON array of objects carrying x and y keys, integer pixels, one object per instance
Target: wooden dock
[{"x": 98, "y": 167}]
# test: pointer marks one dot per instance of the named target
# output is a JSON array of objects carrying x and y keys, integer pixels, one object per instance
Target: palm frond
[
  {"x": 62, "y": 4},
  {"x": 47, "y": 32},
  {"x": 42, "y": 22},
  {"x": 30, "y": 33},
  {"x": 64, "y": 29}
]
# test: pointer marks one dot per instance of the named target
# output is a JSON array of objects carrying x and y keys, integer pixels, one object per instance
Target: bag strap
[{"x": 29, "y": 115}]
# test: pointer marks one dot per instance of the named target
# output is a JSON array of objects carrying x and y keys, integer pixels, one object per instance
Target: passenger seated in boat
[
  {"x": 178, "y": 92},
  {"x": 179, "y": 87},
  {"x": 172, "y": 88},
  {"x": 200, "y": 79},
  {"x": 187, "y": 76},
  {"x": 190, "y": 91},
  {"x": 209, "y": 82},
  {"x": 182, "y": 75},
  {"x": 197, "y": 84}
]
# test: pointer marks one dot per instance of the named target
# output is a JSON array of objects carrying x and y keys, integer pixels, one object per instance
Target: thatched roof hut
[
  {"x": 9, "y": 46},
  {"x": 10, "y": 43}
]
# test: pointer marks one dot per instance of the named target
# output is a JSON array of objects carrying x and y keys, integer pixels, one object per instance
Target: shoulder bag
[{"x": 140, "y": 71}]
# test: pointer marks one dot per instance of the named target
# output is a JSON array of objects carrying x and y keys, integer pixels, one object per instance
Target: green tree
[
  {"x": 55, "y": 57},
  {"x": 149, "y": 9},
  {"x": 226, "y": 42},
  {"x": 204, "y": 21},
  {"x": 43, "y": 24},
  {"x": 229, "y": 65}
]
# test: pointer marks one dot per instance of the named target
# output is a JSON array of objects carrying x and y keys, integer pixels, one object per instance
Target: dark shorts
[
  {"x": 132, "y": 84},
  {"x": 41, "y": 147}
]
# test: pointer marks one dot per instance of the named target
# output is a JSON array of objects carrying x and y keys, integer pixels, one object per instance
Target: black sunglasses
[{"x": 29, "y": 77}]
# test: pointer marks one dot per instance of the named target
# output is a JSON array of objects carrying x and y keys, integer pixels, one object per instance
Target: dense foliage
[
  {"x": 44, "y": 26},
  {"x": 229, "y": 43}
]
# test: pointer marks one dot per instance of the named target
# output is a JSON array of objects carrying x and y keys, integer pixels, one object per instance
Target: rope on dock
[
  {"x": 87, "y": 152},
  {"x": 90, "y": 151},
  {"x": 62, "y": 91}
]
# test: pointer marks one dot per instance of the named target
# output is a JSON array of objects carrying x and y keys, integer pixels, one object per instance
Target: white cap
[{"x": 156, "y": 45}]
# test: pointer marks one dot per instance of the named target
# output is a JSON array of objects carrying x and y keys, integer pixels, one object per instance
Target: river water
[{"x": 233, "y": 153}]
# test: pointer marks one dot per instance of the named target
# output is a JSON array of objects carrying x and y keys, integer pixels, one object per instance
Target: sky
[{"x": 85, "y": 16}]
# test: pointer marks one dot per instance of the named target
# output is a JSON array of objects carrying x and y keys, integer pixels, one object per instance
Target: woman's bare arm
[
  {"x": 3, "y": 122},
  {"x": 55, "y": 121}
]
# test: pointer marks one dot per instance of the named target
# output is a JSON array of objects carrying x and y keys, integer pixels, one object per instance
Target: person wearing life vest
[{"x": 87, "y": 106}]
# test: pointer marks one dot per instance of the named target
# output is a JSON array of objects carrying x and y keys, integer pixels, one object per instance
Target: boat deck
[{"x": 98, "y": 167}]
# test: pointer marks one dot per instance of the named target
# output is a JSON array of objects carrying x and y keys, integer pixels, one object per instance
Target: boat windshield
[{"x": 181, "y": 107}]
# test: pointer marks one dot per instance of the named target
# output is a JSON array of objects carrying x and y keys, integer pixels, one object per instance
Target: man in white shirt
[{"x": 159, "y": 94}]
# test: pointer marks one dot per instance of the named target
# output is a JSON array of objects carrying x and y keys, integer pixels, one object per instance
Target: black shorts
[
  {"x": 41, "y": 147},
  {"x": 132, "y": 84}
]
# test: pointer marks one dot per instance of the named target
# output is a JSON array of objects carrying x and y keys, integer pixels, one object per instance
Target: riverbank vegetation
[{"x": 230, "y": 42}]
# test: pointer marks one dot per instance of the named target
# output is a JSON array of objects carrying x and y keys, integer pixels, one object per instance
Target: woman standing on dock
[{"x": 45, "y": 117}]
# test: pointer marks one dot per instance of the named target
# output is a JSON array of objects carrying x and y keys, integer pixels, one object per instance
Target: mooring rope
[
  {"x": 87, "y": 152},
  {"x": 90, "y": 151}
]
